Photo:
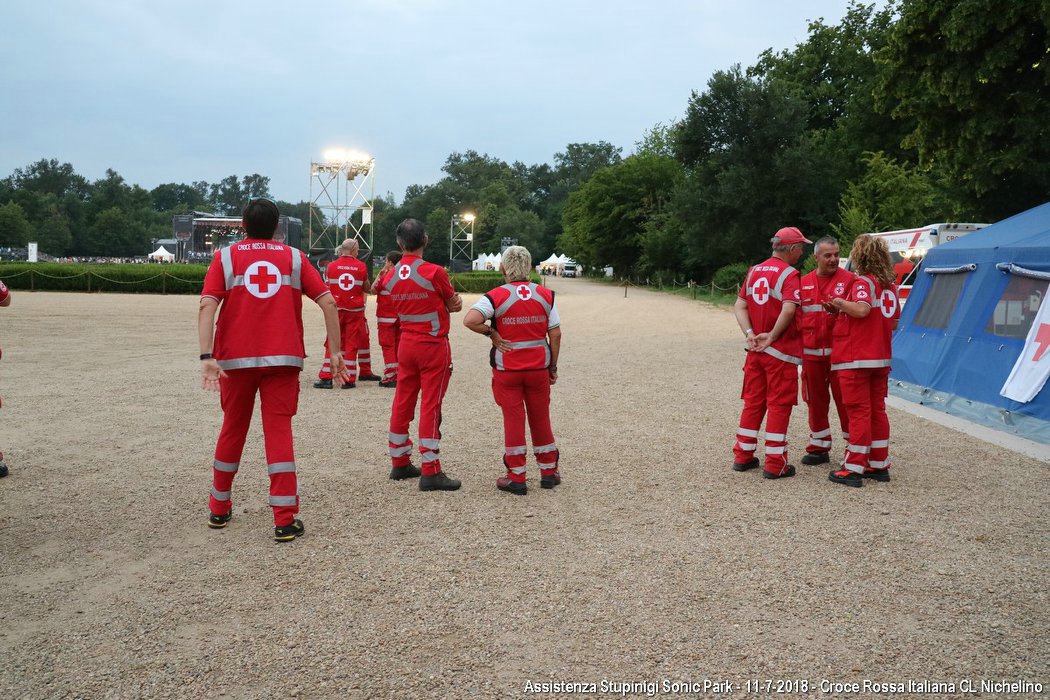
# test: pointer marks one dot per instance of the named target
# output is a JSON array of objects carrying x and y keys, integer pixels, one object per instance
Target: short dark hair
[
  {"x": 260, "y": 218},
  {"x": 393, "y": 257},
  {"x": 825, "y": 240},
  {"x": 411, "y": 235}
]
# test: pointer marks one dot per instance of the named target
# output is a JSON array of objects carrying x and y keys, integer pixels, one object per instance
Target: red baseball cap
[{"x": 789, "y": 235}]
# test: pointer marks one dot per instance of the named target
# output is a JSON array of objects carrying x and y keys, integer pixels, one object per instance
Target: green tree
[
  {"x": 525, "y": 227},
  {"x": 115, "y": 233},
  {"x": 605, "y": 218},
  {"x": 14, "y": 226},
  {"x": 177, "y": 198},
  {"x": 54, "y": 236},
  {"x": 972, "y": 80}
]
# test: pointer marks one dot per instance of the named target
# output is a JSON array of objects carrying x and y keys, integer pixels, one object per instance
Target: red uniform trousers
[
  {"x": 864, "y": 391},
  {"x": 389, "y": 337},
  {"x": 351, "y": 326},
  {"x": 278, "y": 390},
  {"x": 769, "y": 385},
  {"x": 364, "y": 348},
  {"x": 520, "y": 394},
  {"x": 817, "y": 377},
  {"x": 424, "y": 369}
]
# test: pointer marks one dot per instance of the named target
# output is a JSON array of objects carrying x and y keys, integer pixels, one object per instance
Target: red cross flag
[{"x": 1033, "y": 366}]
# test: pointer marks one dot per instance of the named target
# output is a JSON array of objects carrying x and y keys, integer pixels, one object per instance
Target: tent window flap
[
  {"x": 939, "y": 305},
  {"x": 1018, "y": 306}
]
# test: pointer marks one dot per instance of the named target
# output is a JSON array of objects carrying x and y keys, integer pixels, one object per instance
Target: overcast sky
[{"x": 176, "y": 91}]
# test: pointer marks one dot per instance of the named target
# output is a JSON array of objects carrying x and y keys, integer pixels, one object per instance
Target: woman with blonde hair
[
  {"x": 861, "y": 353},
  {"x": 523, "y": 324}
]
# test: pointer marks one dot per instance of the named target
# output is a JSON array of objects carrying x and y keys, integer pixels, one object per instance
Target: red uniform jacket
[
  {"x": 260, "y": 286},
  {"x": 346, "y": 277},
  {"x": 385, "y": 311},
  {"x": 865, "y": 343},
  {"x": 767, "y": 286},
  {"x": 419, "y": 290},
  {"x": 521, "y": 317},
  {"x": 817, "y": 323}
]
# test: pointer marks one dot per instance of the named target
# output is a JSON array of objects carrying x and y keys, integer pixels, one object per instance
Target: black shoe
[
  {"x": 348, "y": 385},
  {"x": 744, "y": 466},
  {"x": 217, "y": 522},
  {"x": 814, "y": 458},
  {"x": 289, "y": 532},
  {"x": 323, "y": 384},
  {"x": 882, "y": 475},
  {"x": 3, "y": 470},
  {"x": 789, "y": 471},
  {"x": 409, "y": 471},
  {"x": 518, "y": 488},
  {"x": 438, "y": 482},
  {"x": 369, "y": 378},
  {"x": 388, "y": 383},
  {"x": 846, "y": 477},
  {"x": 550, "y": 481}
]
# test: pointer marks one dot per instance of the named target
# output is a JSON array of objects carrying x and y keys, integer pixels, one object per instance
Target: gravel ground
[{"x": 652, "y": 561}]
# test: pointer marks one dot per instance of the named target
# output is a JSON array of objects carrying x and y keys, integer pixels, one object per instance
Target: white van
[
  {"x": 568, "y": 270},
  {"x": 909, "y": 246}
]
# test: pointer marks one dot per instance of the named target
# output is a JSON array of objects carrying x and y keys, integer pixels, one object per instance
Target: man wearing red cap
[
  {"x": 423, "y": 297},
  {"x": 765, "y": 311},
  {"x": 819, "y": 289}
]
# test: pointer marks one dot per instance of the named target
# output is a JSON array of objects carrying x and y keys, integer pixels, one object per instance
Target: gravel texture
[{"x": 653, "y": 560}]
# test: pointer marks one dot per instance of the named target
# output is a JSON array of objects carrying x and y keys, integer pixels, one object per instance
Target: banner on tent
[{"x": 1032, "y": 368}]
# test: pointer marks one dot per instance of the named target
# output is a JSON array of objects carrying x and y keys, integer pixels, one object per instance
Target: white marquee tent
[{"x": 162, "y": 255}]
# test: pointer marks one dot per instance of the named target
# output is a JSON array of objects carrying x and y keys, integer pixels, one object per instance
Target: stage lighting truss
[
  {"x": 342, "y": 196},
  {"x": 461, "y": 238}
]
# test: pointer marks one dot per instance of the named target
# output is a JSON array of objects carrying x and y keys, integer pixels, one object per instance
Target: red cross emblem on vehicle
[
  {"x": 346, "y": 281},
  {"x": 404, "y": 272},
  {"x": 760, "y": 291},
  {"x": 524, "y": 293},
  {"x": 888, "y": 303},
  {"x": 262, "y": 279}
]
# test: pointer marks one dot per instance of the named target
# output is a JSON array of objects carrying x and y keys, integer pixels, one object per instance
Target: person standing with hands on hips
[
  {"x": 423, "y": 297},
  {"x": 257, "y": 348},
  {"x": 861, "y": 354},
  {"x": 765, "y": 311},
  {"x": 526, "y": 340}
]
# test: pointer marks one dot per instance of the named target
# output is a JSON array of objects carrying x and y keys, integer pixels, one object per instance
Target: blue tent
[{"x": 966, "y": 321}]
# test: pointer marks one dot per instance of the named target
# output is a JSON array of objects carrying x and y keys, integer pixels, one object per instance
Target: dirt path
[{"x": 652, "y": 561}]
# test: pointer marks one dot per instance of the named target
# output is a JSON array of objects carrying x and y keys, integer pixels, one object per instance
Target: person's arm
[
  {"x": 331, "y": 325},
  {"x": 454, "y": 303},
  {"x": 743, "y": 319},
  {"x": 554, "y": 336},
  {"x": 786, "y": 318},
  {"x": 443, "y": 285},
  {"x": 475, "y": 320},
  {"x": 210, "y": 370},
  {"x": 5, "y": 295},
  {"x": 854, "y": 309}
]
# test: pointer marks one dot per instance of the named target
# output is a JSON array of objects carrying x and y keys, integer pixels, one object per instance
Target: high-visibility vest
[
  {"x": 866, "y": 343},
  {"x": 521, "y": 315}
]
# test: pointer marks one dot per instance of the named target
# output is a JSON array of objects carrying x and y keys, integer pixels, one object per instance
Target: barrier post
[
  {"x": 89, "y": 281},
  {"x": 32, "y": 280},
  {"x": 625, "y": 289},
  {"x": 163, "y": 282}
]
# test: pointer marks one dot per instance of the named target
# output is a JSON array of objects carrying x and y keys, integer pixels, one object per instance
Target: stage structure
[
  {"x": 200, "y": 234},
  {"x": 461, "y": 242},
  {"x": 342, "y": 194}
]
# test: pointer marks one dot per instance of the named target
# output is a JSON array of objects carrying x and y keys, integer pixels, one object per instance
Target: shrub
[
  {"x": 730, "y": 277},
  {"x": 481, "y": 282},
  {"x": 127, "y": 278}
]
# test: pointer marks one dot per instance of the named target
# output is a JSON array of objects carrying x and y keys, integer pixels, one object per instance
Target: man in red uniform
[
  {"x": 346, "y": 277},
  {"x": 257, "y": 347},
  {"x": 5, "y": 300},
  {"x": 827, "y": 282},
  {"x": 524, "y": 366},
  {"x": 423, "y": 297},
  {"x": 861, "y": 356},
  {"x": 765, "y": 311},
  {"x": 387, "y": 321}
]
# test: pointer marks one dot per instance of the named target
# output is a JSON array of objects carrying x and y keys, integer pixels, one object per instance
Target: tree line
[{"x": 922, "y": 111}]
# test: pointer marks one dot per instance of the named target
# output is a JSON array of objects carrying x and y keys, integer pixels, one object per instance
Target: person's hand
[
  {"x": 833, "y": 305},
  {"x": 455, "y": 304},
  {"x": 762, "y": 341},
  {"x": 340, "y": 372},
  {"x": 210, "y": 375},
  {"x": 554, "y": 375},
  {"x": 499, "y": 343}
]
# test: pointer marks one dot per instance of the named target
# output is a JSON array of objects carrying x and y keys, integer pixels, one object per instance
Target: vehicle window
[
  {"x": 1017, "y": 307},
  {"x": 939, "y": 305}
]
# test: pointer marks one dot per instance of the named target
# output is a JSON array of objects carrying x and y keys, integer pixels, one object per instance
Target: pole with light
[{"x": 461, "y": 237}]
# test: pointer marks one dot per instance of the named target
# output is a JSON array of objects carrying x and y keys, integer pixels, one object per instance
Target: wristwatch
[
  {"x": 489, "y": 331},
  {"x": 205, "y": 356}
]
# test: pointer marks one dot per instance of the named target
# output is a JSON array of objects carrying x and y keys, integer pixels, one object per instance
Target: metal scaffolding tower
[
  {"x": 461, "y": 239},
  {"x": 342, "y": 184}
]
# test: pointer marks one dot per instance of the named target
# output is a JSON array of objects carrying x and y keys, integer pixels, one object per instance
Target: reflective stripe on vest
[
  {"x": 432, "y": 317},
  {"x": 817, "y": 352},
  {"x": 413, "y": 275},
  {"x": 862, "y": 364},
  {"x": 812, "y": 308},
  {"x": 514, "y": 298},
  {"x": 264, "y": 361},
  {"x": 783, "y": 356},
  {"x": 778, "y": 288},
  {"x": 294, "y": 280}
]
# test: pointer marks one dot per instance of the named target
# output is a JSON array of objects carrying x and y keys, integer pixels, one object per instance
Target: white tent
[
  {"x": 162, "y": 255},
  {"x": 488, "y": 261}
]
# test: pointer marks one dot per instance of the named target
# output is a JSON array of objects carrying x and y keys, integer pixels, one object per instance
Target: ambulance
[{"x": 908, "y": 247}]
